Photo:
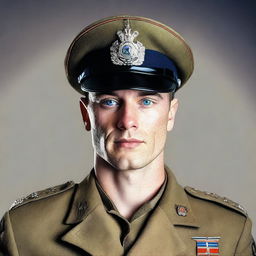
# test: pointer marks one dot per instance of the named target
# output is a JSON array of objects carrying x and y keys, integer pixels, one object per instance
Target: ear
[
  {"x": 84, "y": 112},
  {"x": 172, "y": 112}
]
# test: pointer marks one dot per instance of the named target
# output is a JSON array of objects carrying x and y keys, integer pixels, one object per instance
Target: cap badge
[
  {"x": 127, "y": 52},
  {"x": 207, "y": 245},
  {"x": 182, "y": 210}
]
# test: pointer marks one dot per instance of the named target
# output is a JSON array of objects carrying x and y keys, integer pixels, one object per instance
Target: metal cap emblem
[{"x": 127, "y": 52}]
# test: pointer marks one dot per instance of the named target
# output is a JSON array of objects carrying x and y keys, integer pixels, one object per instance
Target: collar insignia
[
  {"x": 127, "y": 52},
  {"x": 207, "y": 246},
  {"x": 182, "y": 210}
]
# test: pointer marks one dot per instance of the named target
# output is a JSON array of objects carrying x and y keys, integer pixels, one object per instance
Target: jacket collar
[
  {"x": 162, "y": 224},
  {"x": 97, "y": 232},
  {"x": 173, "y": 198},
  {"x": 86, "y": 199}
]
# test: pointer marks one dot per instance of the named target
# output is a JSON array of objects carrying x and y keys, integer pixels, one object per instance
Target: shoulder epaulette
[
  {"x": 42, "y": 194},
  {"x": 216, "y": 198}
]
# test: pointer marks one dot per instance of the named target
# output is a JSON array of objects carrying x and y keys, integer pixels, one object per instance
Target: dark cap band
[{"x": 157, "y": 73}]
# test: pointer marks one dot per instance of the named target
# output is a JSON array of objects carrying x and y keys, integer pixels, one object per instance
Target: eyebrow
[
  {"x": 97, "y": 94},
  {"x": 146, "y": 93},
  {"x": 141, "y": 93}
]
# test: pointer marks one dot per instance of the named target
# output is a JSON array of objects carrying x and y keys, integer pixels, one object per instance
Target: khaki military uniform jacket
[{"x": 71, "y": 220}]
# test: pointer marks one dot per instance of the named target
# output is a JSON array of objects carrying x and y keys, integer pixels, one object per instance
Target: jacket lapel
[
  {"x": 95, "y": 231},
  {"x": 174, "y": 197},
  {"x": 159, "y": 238},
  {"x": 97, "y": 234},
  {"x": 161, "y": 235}
]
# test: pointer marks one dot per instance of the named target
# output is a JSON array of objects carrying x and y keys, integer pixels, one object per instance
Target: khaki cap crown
[{"x": 152, "y": 34}]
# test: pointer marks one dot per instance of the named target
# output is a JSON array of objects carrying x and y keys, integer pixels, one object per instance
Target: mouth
[{"x": 128, "y": 143}]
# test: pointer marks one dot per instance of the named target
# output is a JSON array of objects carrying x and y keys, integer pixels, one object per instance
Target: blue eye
[
  {"x": 109, "y": 102},
  {"x": 147, "y": 102}
]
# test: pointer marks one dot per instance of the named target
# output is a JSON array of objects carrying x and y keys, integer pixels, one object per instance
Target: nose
[{"x": 127, "y": 118}]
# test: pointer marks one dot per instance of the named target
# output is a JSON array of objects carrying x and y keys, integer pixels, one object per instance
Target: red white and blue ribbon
[{"x": 207, "y": 246}]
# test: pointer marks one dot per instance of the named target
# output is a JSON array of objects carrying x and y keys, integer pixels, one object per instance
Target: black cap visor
[{"x": 122, "y": 81}]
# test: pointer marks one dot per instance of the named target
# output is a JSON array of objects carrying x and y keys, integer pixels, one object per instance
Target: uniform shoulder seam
[
  {"x": 209, "y": 196},
  {"x": 35, "y": 196}
]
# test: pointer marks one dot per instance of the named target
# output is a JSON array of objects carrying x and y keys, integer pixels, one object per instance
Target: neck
[{"x": 129, "y": 189}]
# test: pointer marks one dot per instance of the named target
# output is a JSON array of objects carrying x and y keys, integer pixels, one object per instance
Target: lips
[{"x": 128, "y": 143}]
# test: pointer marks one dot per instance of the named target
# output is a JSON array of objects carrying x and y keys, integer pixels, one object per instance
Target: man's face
[{"x": 129, "y": 127}]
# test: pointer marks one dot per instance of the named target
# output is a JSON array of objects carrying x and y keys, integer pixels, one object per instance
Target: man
[{"x": 128, "y": 69}]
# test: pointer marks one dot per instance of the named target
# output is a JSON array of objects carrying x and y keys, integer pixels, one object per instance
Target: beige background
[{"x": 42, "y": 140}]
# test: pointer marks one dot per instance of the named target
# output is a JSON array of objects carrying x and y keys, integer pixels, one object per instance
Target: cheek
[
  {"x": 97, "y": 118},
  {"x": 101, "y": 127},
  {"x": 156, "y": 121},
  {"x": 97, "y": 131},
  {"x": 156, "y": 125},
  {"x": 161, "y": 131}
]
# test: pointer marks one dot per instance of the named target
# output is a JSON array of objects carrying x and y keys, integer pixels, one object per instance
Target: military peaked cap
[{"x": 128, "y": 52}]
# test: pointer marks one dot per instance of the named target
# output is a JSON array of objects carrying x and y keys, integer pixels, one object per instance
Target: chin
[{"x": 125, "y": 164}]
